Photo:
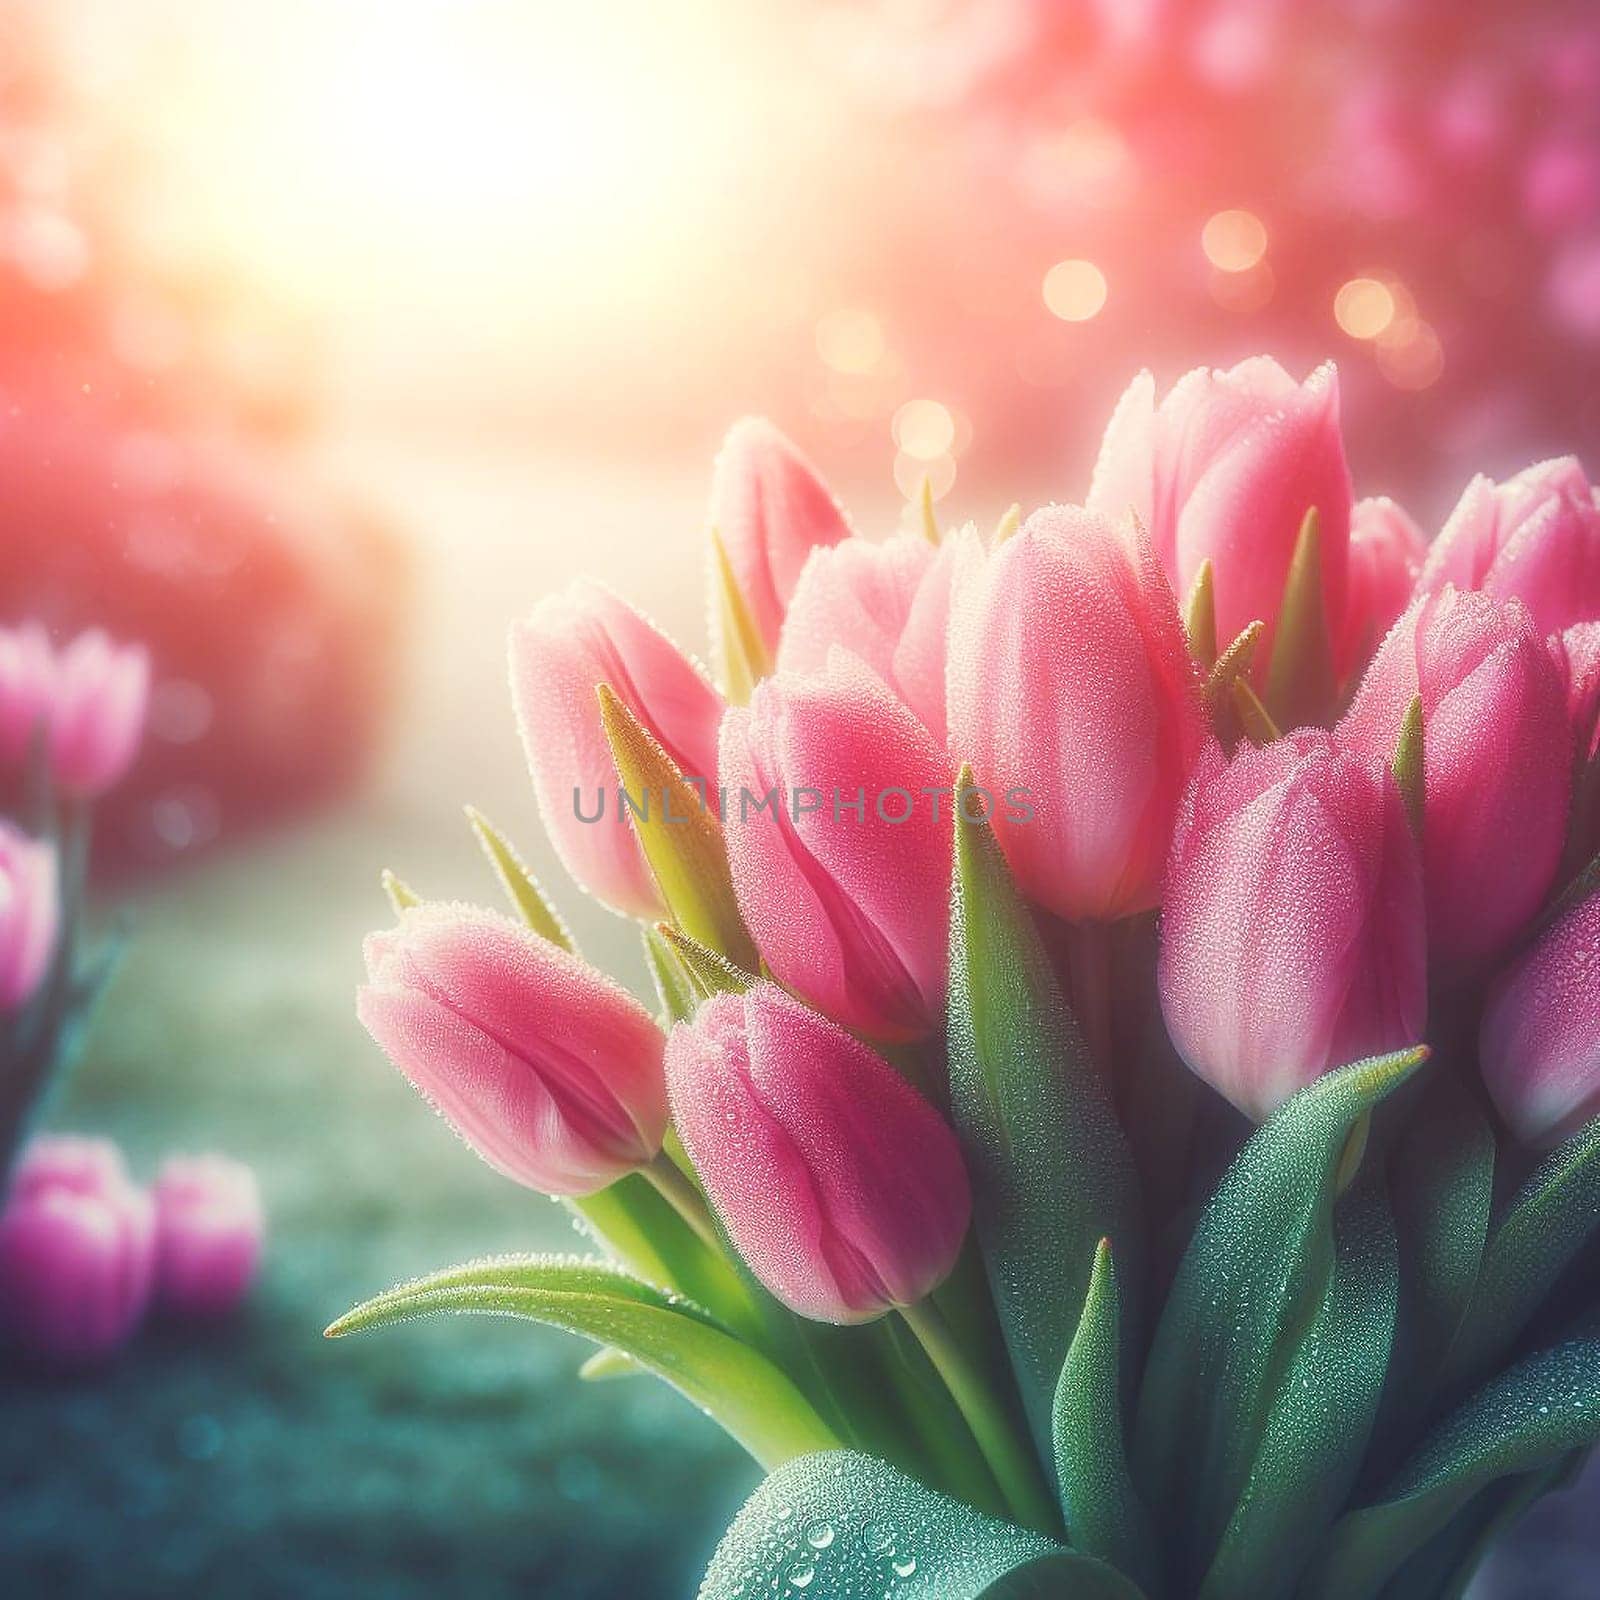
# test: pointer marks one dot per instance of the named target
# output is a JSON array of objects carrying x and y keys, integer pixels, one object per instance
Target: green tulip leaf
[
  {"x": 1105, "y": 1517},
  {"x": 708, "y": 973},
  {"x": 1525, "y": 1421},
  {"x": 520, "y": 885},
  {"x": 1300, "y": 673},
  {"x": 676, "y": 1340},
  {"x": 1322, "y": 1414},
  {"x": 673, "y": 988},
  {"x": 741, "y": 655},
  {"x": 846, "y": 1526},
  {"x": 1051, "y": 1172},
  {"x": 1250, "y": 1284},
  {"x": 1529, "y": 1248}
]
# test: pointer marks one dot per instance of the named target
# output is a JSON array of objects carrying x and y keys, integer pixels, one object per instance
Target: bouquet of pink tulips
[{"x": 1038, "y": 1164}]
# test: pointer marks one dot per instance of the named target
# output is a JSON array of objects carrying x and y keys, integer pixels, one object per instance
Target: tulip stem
[
  {"x": 684, "y": 1198},
  {"x": 1010, "y": 1459}
]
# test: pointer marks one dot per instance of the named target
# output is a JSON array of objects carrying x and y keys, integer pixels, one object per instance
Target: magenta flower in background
[
  {"x": 569, "y": 644},
  {"x": 840, "y": 1185},
  {"x": 1387, "y": 550},
  {"x": 838, "y": 819},
  {"x": 77, "y": 1250},
  {"x": 1070, "y": 677},
  {"x": 1225, "y": 469},
  {"x": 888, "y": 604},
  {"x": 97, "y": 713},
  {"x": 1293, "y": 934},
  {"x": 1540, "y": 1041},
  {"x": 209, "y": 1232},
  {"x": 771, "y": 510},
  {"x": 27, "y": 689},
  {"x": 546, "y": 1067},
  {"x": 30, "y": 915},
  {"x": 1535, "y": 538},
  {"x": 1497, "y": 764}
]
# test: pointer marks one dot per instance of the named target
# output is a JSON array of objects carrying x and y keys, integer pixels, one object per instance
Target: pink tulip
[
  {"x": 838, "y": 817},
  {"x": 1535, "y": 537},
  {"x": 888, "y": 604},
  {"x": 1070, "y": 679},
  {"x": 1387, "y": 550},
  {"x": 97, "y": 714},
  {"x": 209, "y": 1229},
  {"x": 771, "y": 510},
  {"x": 77, "y": 1244},
  {"x": 1225, "y": 470},
  {"x": 1576, "y": 653},
  {"x": 27, "y": 689},
  {"x": 1540, "y": 1041},
  {"x": 841, "y": 1187},
  {"x": 548, "y": 1069},
  {"x": 30, "y": 915},
  {"x": 571, "y": 643},
  {"x": 1497, "y": 764},
  {"x": 1292, "y": 934}
]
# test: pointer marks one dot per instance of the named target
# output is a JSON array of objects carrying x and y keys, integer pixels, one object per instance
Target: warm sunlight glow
[{"x": 1075, "y": 290}]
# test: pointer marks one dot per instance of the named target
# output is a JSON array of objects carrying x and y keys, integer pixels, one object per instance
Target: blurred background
[{"x": 333, "y": 333}]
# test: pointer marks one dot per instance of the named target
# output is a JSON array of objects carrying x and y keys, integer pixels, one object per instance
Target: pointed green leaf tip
[
  {"x": 1051, "y": 1171},
  {"x": 400, "y": 897},
  {"x": 1010, "y": 521},
  {"x": 1200, "y": 616},
  {"x": 674, "y": 1339},
  {"x": 708, "y": 972},
  {"x": 743, "y": 655},
  {"x": 519, "y": 884},
  {"x": 1407, "y": 764},
  {"x": 929, "y": 522},
  {"x": 680, "y": 836},
  {"x": 1300, "y": 674},
  {"x": 1098, "y": 1499}
]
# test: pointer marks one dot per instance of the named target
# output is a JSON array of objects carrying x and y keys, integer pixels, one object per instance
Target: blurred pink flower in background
[
  {"x": 97, "y": 713},
  {"x": 209, "y": 1231},
  {"x": 547, "y": 1068},
  {"x": 1293, "y": 936},
  {"x": 77, "y": 1253},
  {"x": 27, "y": 685},
  {"x": 30, "y": 914},
  {"x": 840, "y": 1185}
]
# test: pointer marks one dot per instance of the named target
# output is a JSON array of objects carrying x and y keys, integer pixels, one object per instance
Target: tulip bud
[
  {"x": 1225, "y": 470},
  {"x": 1535, "y": 538},
  {"x": 1497, "y": 764},
  {"x": 30, "y": 915},
  {"x": 1292, "y": 933},
  {"x": 889, "y": 605},
  {"x": 549, "y": 1070},
  {"x": 570, "y": 644},
  {"x": 27, "y": 685},
  {"x": 97, "y": 714},
  {"x": 76, "y": 1251},
  {"x": 209, "y": 1229},
  {"x": 1576, "y": 653},
  {"x": 771, "y": 510},
  {"x": 841, "y": 1187},
  {"x": 1070, "y": 678},
  {"x": 1387, "y": 550},
  {"x": 1540, "y": 1041},
  {"x": 838, "y": 819}
]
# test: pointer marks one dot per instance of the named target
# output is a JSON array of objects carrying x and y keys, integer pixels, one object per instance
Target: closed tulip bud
[
  {"x": 771, "y": 510},
  {"x": 838, "y": 818},
  {"x": 1387, "y": 550},
  {"x": 1292, "y": 934},
  {"x": 841, "y": 1187},
  {"x": 1224, "y": 470},
  {"x": 1070, "y": 678},
  {"x": 1535, "y": 538},
  {"x": 1497, "y": 764},
  {"x": 209, "y": 1228},
  {"x": 549, "y": 1070},
  {"x": 27, "y": 685},
  {"x": 1576, "y": 653},
  {"x": 1540, "y": 1041},
  {"x": 572, "y": 643},
  {"x": 889, "y": 605},
  {"x": 97, "y": 713},
  {"x": 77, "y": 1244},
  {"x": 30, "y": 915}
]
